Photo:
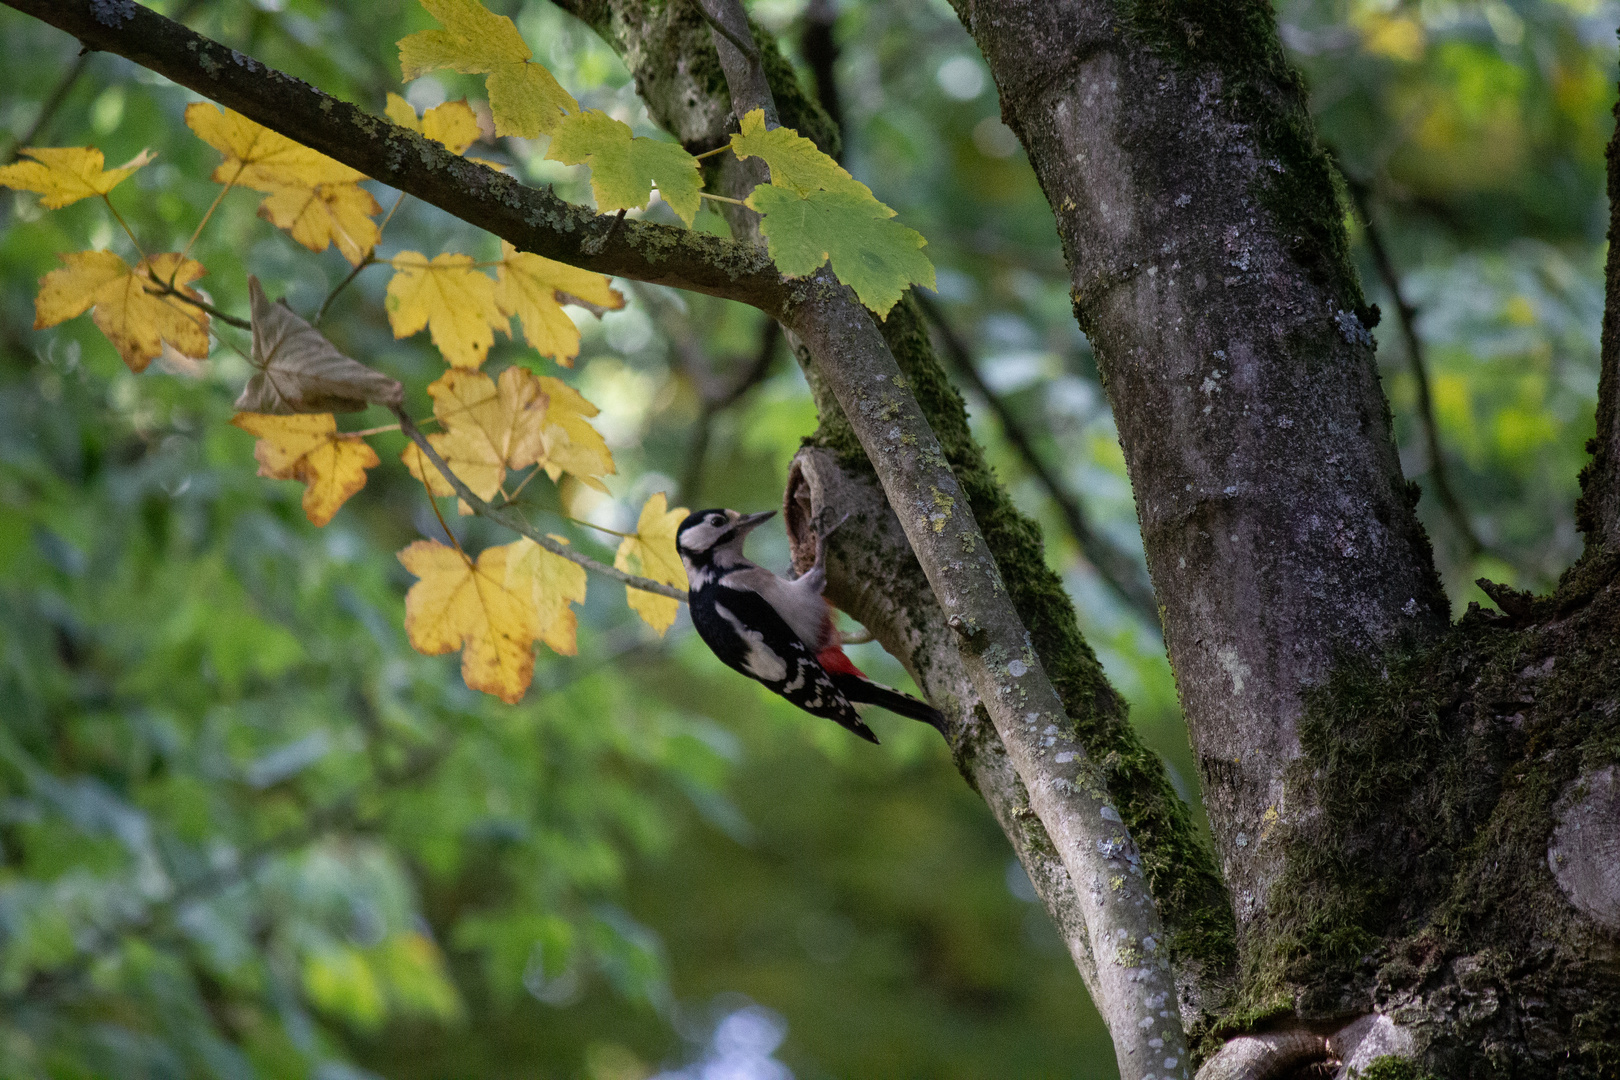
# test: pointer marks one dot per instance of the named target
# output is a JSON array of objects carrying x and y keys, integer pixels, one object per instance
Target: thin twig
[
  {"x": 1114, "y": 566},
  {"x": 518, "y": 525},
  {"x": 1455, "y": 513},
  {"x": 165, "y": 289},
  {"x": 370, "y": 260},
  {"x": 53, "y": 102}
]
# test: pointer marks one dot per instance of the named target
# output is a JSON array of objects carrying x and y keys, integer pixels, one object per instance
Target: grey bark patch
[{"x": 1584, "y": 855}]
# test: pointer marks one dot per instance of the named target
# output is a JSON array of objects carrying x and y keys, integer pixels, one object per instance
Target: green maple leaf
[
  {"x": 794, "y": 161},
  {"x": 624, "y": 168},
  {"x": 873, "y": 255}
]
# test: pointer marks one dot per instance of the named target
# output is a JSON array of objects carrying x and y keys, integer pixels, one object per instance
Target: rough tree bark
[
  {"x": 1417, "y": 820},
  {"x": 1383, "y": 789}
]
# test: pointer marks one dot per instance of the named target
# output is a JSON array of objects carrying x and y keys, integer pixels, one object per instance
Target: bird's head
[{"x": 715, "y": 538}]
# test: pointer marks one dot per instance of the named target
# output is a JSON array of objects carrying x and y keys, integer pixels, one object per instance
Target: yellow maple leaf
[
  {"x": 489, "y": 427},
  {"x": 554, "y": 584},
  {"x": 309, "y": 448},
  {"x": 524, "y": 98},
  {"x": 572, "y": 445},
  {"x": 452, "y": 123},
  {"x": 459, "y": 604},
  {"x": 651, "y": 553},
  {"x": 316, "y": 199},
  {"x": 65, "y": 174},
  {"x": 326, "y": 214},
  {"x": 535, "y": 288},
  {"x": 129, "y": 307},
  {"x": 259, "y": 158},
  {"x": 449, "y": 297}
]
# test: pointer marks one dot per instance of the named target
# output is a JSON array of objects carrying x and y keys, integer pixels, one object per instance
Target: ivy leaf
[
  {"x": 64, "y": 175},
  {"x": 316, "y": 199},
  {"x": 534, "y": 289},
  {"x": 301, "y": 372},
  {"x": 451, "y": 298},
  {"x": 651, "y": 553},
  {"x": 624, "y": 168},
  {"x": 875, "y": 256},
  {"x": 523, "y": 96},
  {"x": 129, "y": 307},
  {"x": 452, "y": 123},
  {"x": 572, "y": 445},
  {"x": 310, "y": 449},
  {"x": 459, "y": 604},
  {"x": 795, "y": 162},
  {"x": 488, "y": 429},
  {"x": 554, "y": 584}
]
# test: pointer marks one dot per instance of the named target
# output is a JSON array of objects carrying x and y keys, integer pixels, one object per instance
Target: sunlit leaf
[
  {"x": 316, "y": 199},
  {"x": 534, "y": 288},
  {"x": 555, "y": 584},
  {"x": 524, "y": 98},
  {"x": 624, "y": 168},
  {"x": 572, "y": 445},
  {"x": 452, "y": 123},
  {"x": 651, "y": 553},
  {"x": 129, "y": 307},
  {"x": 64, "y": 175},
  {"x": 452, "y": 299},
  {"x": 459, "y": 604},
  {"x": 310, "y": 449},
  {"x": 301, "y": 372},
  {"x": 489, "y": 427}
]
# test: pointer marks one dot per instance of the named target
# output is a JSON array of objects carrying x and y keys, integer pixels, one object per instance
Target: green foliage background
[{"x": 246, "y": 831}]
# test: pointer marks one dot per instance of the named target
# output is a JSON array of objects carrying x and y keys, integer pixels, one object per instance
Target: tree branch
[
  {"x": 1117, "y": 569},
  {"x": 1361, "y": 192},
  {"x": 533, "y": 219},
  {"x": 520, "y": 526},
  {"x": 1131, "y": 979}
]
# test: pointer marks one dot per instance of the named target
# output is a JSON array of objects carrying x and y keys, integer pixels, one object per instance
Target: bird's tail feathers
[{"x": 865, "y": 691}]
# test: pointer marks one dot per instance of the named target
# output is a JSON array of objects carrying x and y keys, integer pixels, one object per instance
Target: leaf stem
[
  {"x": 370, "y": 260},
  {"x": 369, "y": 431},
  {"x": 711, "y": 153},
  {"x": 125, "y": 225},
  {"x": 722, "y": 198},
  {"x": 502, "y": 517},
  {"x": 206, "y": 217}
]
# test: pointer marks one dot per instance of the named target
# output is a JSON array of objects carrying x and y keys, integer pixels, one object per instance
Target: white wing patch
[{"x": 762, "y": 662}]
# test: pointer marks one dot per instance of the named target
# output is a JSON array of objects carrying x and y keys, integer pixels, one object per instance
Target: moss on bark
[
  {"x": 1422, "y": 888},
  {"x": 1179, "y": 865}
]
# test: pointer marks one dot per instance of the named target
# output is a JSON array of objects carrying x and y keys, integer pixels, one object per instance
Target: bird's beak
[{"x": 748, "y": 522}]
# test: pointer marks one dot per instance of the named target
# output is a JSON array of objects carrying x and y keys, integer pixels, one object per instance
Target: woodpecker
[{"x": 778, "y": 631}]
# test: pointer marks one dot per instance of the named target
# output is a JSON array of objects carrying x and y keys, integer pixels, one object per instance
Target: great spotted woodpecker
[{"x": 777, "y": 631}]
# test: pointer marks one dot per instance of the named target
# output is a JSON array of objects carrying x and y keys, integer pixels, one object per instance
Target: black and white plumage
[{"x": 777, "y": 631}]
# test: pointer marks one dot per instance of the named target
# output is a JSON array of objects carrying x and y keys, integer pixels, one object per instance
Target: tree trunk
[{"x": 1413, "y": 821}]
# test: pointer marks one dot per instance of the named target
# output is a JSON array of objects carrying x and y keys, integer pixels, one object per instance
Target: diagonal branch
[
  {"x": 1117, "y": 568},
  {"x": 1455, "y": 513},
  {"x": 533, "y": 219},
  {"x": 518, "y": 525}
]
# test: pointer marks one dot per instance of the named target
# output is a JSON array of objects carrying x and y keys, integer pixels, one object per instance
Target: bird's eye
[{"x": 716, "y": 519}]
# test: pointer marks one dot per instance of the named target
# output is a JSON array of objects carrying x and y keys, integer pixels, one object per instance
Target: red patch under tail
[{"x": 833, "y": 659}]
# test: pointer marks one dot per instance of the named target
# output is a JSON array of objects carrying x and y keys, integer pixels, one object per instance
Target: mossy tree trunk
[{"x": 1415, "y": 820}]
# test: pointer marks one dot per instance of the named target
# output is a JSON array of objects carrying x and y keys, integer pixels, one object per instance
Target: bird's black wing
[{"x": 747, "y": 634}]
